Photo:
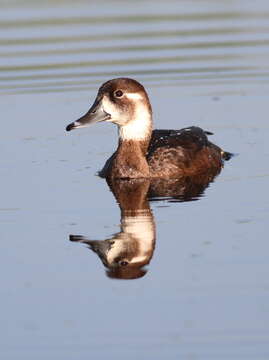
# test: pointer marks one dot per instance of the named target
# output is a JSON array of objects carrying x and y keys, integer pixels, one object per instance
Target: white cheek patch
[
  {"x": 117, "y": 116},
  {"x": 117, "y": 248},
  {"x": 135, "y": 126},
  {"x": 109, "y": 107}
]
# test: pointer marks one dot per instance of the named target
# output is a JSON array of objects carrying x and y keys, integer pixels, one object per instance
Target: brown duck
[{"x": 143, "y": 152}]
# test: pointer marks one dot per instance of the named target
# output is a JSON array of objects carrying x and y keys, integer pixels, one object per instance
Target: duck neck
[
  {"x": 130, "y": 159},
  {"x": 134, "y": 137},
  {"x": 137, "y": 129}
]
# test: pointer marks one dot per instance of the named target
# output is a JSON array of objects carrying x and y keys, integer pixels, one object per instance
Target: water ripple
[{"x": 53, "y": 51}]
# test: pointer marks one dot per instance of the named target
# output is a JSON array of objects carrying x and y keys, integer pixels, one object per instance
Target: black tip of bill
[{"x": 70, "y": 127}]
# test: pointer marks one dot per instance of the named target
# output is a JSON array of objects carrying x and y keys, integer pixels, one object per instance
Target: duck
[{"x": 143, "y": 152}]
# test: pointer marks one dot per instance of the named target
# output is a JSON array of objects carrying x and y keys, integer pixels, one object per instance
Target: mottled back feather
[{"x": 192, "y": 138}]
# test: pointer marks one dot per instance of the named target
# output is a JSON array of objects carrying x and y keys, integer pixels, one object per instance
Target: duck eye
[{"x": 118, "y": 93}]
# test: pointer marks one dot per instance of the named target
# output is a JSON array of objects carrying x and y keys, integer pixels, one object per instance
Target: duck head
[{"x": 124, "y": 102}]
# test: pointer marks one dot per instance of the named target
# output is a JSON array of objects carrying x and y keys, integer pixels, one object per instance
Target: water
[{"x": 204, "y": 293}]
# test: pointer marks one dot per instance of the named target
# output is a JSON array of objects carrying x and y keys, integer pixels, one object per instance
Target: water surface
[{"x": 205, "y": 290}]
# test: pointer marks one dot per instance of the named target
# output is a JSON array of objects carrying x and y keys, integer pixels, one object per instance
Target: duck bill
[{"x": 94, "y": 115}]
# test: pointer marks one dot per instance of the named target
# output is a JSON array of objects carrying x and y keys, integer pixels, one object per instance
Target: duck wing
[{"x": 191, "y": 138}]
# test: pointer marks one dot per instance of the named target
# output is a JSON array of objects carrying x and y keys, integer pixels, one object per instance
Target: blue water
[{"x": 205, "y": 294}]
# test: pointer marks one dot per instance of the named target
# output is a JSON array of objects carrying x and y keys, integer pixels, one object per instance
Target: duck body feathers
[
  {"x": 192, "y": 138},
  {"x": 188, "y": 151},
  {"x": 169, "y": 154}
]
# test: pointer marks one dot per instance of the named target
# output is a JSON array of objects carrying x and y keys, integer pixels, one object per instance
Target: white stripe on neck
[{"x": 139, "y": 127}]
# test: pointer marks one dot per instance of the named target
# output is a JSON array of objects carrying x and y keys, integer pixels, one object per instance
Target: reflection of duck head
[{"x": 127, "y": 252}]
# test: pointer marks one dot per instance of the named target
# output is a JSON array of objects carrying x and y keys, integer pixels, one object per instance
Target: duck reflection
[{"x": 126, "y": 253}]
